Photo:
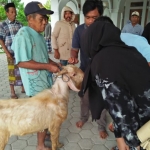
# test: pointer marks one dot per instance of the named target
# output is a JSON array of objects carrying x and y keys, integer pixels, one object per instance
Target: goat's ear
[
  {"x": 64, "y": 71},
  {"x": 72, "y": 74}
]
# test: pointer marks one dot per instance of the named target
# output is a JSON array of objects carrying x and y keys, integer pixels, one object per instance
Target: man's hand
[
  {"x": 56, "y": 54},
  {"x": 74, "y": 57},
  {"x": 9, "y": 56},
  {"x": 52, "y": 67},
  {"x": 55, "y": 63},
  {"x": 73, "y": 60}
]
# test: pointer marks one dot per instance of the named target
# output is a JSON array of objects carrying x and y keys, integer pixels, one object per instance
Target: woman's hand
[{"x": 121, "y": 144}]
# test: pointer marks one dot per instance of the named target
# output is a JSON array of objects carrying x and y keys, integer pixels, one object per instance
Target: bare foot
[
  {"x": 43, "y": 148},
  {"x": 79, "y": 124},
  {"x": 103, "y": 134},
  {"x": 111, "y": 127}
]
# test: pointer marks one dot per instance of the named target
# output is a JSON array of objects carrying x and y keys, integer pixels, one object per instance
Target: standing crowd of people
[{"x": 117, "y": 73}]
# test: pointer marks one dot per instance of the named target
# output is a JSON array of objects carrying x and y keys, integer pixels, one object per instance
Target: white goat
[{"x": 46, "y": 110}]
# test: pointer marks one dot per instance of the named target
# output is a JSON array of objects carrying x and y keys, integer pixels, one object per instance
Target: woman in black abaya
[{"x": 118, "y": 79}]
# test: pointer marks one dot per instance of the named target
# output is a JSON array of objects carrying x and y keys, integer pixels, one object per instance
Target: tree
[
  {"x": 20, "y": 11},
  {"x": 2, "y": 13},
  {"x": 20, "y": 14},
  {"x": 48, "y": 6},
  {"x": 3, "y": 2}
]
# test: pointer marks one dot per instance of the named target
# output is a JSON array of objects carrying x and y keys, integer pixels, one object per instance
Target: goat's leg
[
  {"x": 3, "y": 139},
  {"x": 55, "y": 135}
]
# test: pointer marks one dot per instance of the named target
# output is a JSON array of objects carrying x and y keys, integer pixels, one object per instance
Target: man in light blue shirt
[
  {"x": 34, "y": 80},
  {"x": 31, "y": 55},
  {"x": 139, "y": 42},
  {"x": 133, "y": 27}
]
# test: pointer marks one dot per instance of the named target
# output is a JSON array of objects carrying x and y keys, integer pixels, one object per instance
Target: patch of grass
[{"x": 1, "y": 50}]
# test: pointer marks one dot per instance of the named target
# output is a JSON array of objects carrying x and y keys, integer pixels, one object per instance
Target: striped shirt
[{"x": 8, "y": 31}]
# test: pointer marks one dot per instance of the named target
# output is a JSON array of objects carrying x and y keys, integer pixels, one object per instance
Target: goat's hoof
[{"x": 60, "y": 145}]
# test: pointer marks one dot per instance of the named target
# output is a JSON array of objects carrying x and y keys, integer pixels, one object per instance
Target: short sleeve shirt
[
  {"x": 30, "y": 45},
  {"x": 8, "y": 30},
  {"x": 137, "y": 29},
  {"x": 76, "y": 44}
]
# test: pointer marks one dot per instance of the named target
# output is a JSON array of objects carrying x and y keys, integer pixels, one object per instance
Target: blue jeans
[{"x": 64, "y": 62}]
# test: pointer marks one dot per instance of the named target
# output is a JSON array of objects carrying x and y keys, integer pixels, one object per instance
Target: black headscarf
[
  {"x": 101, "y": 34},
  {"x": 112, "y": 59}
]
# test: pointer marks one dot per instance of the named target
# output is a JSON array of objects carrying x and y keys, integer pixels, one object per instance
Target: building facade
[{"x": 118, "y": 10}]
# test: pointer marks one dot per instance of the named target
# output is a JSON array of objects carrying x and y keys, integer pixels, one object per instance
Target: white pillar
[
  {"x": 81, "y": 12},
  {"x": 117, "y": 11},
  {"x": 148, "y": 16},
  {"x": 116, "y": 17},
  {"x": 55, "y": 16},
  {"x": 126, "y": 13},
  {"x": 143, "y": 13}
]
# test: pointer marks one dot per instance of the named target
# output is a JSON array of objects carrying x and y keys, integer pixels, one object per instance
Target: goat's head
[{"x": 75, "y": 76}]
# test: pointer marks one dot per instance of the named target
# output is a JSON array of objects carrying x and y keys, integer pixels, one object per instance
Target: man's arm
[
  {"x": 52, "y": 67},
  {"x": 5, "y": 49},
  {"x": 74, "y": 56},
  {"x": 2, "y": 41},
  {"x": 54, "y": 37},
  {"x": 75, "y": 48}
]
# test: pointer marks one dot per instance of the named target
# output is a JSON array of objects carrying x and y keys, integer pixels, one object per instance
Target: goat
[{"x": 46, "y": 110}]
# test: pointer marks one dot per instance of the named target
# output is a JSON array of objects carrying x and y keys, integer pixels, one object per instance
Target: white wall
[
  {"x": 55, "y": 16},
  {"x": 73, "y": 6},
  {"x": 57, "y": 6},
  {"x": 81, "y": 12}
]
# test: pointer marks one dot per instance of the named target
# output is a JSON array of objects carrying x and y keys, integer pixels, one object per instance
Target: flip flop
[
  {"x": 22, "y": 91},
  {"x": 14, "y": 96}
]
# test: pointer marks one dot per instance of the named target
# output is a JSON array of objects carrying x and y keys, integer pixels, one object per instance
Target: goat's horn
[{"x": 64, "y": 71}]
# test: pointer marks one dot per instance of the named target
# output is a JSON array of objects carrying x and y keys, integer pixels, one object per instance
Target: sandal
[
  {"x": 14, "y": 96},
  {"x": 22, "y": 91}
]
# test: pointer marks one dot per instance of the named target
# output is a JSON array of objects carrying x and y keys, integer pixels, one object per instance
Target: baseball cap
[
  {"x": 36, "y": 7},
  {"x": 135, "y": 13}
]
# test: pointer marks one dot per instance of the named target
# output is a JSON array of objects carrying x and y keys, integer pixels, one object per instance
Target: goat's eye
[{"x": 74, "y": 74}]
